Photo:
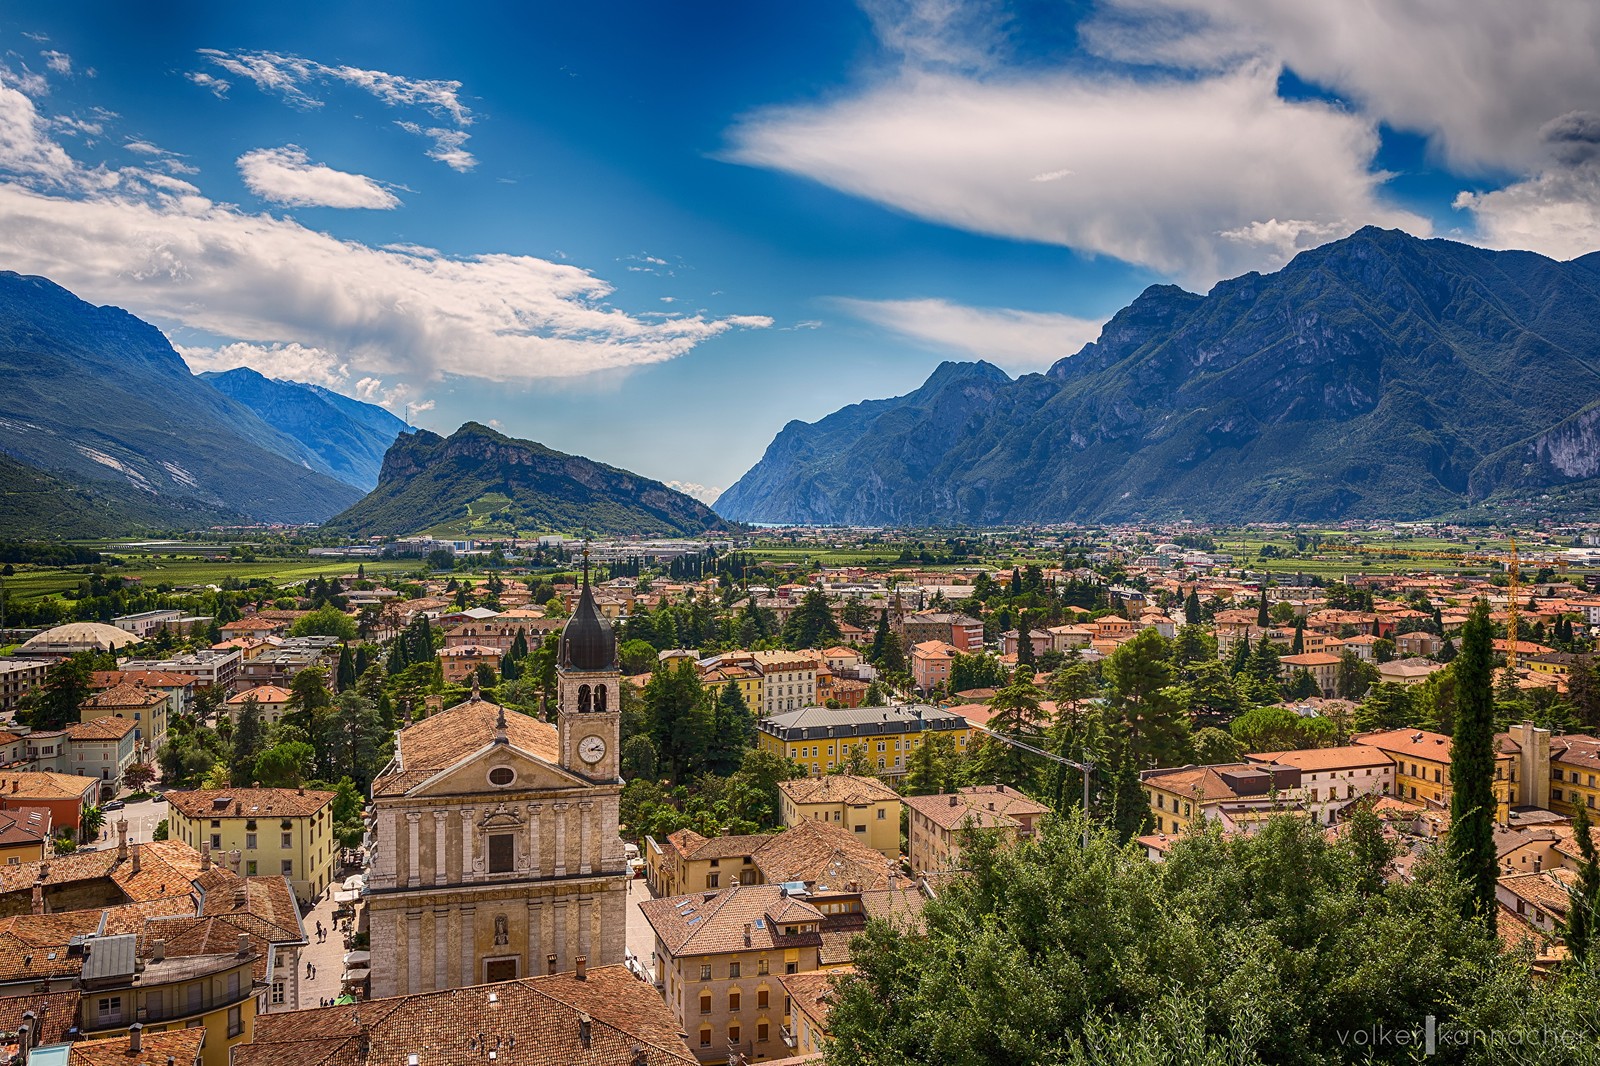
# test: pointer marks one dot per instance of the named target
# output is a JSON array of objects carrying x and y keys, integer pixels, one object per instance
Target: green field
[{"x": 31, "y": 583}]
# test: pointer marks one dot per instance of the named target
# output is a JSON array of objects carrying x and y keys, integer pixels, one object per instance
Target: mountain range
[
  {"x": 348, "y": 437},
  {"x": 95, "y": 396},
  {"x": 1380, "y": 375},
  {"x": 480, "y": 481}
]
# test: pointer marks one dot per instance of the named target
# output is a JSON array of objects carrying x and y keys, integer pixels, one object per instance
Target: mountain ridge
[
  {"x": 479, "y": 479},
  {"x": 1376, "y": 376}
]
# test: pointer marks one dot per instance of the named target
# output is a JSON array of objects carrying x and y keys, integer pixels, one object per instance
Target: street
[{"x": 143, "y": 817}]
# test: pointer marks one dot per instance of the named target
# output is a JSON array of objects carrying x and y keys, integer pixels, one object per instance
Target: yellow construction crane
[{"x": 1511, "y": 611}]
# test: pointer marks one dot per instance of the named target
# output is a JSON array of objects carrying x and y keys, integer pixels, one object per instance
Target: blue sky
[{"x": 654, "y": 233}]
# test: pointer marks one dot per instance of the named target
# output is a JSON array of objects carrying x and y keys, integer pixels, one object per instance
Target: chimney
[
  {"x": 582, "y": 970},
  {"x": 133, "y": 853},
  {"x": 234, "y": 859},
  {"x": 158, "y": 951},
  {"x": 244, "y": 945},
  {"x": 24, "y": 1036},
  {"x": 122, "y": 839},
  {"x": 38, "y": 897},
  {"x": 640, "y": 1056},
  {"x": 1538, "y": 863},
  {"x": 205, "y": 855},
  {"x": 135, "y": 1038},
  {"x": 585, "y": 1028},
  {"x": 746, "y": 934},
  {"x": 550, "y": 963},
  {"x": 952, "y": 801}
]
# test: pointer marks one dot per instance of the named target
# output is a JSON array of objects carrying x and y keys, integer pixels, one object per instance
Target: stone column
[
  {"x": 441, "y": 863},
  {"x": 467, "y": 872},
  {"x": 561, "y": 839},
  {"x": 535, "y": 960},
  {"x": 413, "y": 951},
  {"x": 413, "y": 848},
  {"x": 585, "y": 836},
  {"x": 441, "y": 944},
  {"x": 585, "y": 919},
  {"x": 467, "y": 931},
  {"x": 558, "y": 943},
  {"x": 534, "y": 859}
]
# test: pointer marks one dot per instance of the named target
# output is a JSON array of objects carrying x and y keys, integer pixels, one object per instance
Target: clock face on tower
[{"x": 591, "y": 749}]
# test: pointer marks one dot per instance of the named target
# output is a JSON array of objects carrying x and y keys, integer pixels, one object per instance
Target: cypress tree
[
  {"x": 1472, "y": 803},
  {"x": 1191, "y": 609},
  {"x": 1299, "y": 645},
  {"x": 345, "y": 676},
  {"x": 1584, "y": 907},
  {"x": 1263, "y": 617}
]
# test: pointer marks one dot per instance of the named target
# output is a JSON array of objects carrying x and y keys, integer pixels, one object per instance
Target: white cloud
[
  {"x": 1159, "y": 167},
  {"x": 1480, "y": 77},
  {"x": 153, "y": 244},
  {"x": 26, "y": 149},
  {"x": 145, "y": 148},
  {"x": 216, "y": 86},
  {"x": 292, "y": 76},
  {"x": 1020, "y": 340},
  {"x": 706, "y": 494},
  {"x": 1556, "y": 211},
  {"x": 961, "y": 34},
  {"x": 59, "y": 62},
  {"x": 287, "y": 176},
  {"x": 447, "y": 145},
  {"x": 288, "y": 362}
]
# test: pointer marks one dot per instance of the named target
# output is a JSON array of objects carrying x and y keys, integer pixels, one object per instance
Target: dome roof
[
  {"x": 587, "y": 642},
  {"x": 84, "y": 635}
]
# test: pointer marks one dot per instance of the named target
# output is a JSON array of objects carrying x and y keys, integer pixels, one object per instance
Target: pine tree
[
  {"x": 1024, "y": 640},
  {"x": 1239, "y": 656},
  {"x": 249, "y": 740},
  {"x": 1472, "y": 801},
  {"x": 1192, "y": 614},
  {"x": 811, "y": 625},
  {"x": 1016, "y": 716},
  {"x": 1583, "y": 909}
]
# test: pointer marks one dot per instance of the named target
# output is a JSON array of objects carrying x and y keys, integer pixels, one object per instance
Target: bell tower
[{"x": 589, "y": 719}]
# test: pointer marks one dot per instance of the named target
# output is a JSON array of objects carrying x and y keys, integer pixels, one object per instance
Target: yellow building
[
  {"x": 1574, "y": 774},
  {"x": 820, "y": 738},
  {"x": 276, "y": 831},
  {"x": 863, "y": 805},
  {"x": 810, "y": 999},
  {"x": 746, "y": 678},
  {"x": 1422, "y": 768},
  {"x": 162, "y": 993},
  {"x": 147, "y": 707},
  {"x": 24, "y": 834}
]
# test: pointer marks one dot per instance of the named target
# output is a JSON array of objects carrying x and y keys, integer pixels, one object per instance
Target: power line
[{"x": 1085, "y": 768}]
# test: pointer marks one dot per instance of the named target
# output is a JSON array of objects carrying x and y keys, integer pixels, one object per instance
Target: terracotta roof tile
[
  {"x": 424, "y": 748},
  {"x": 528, "y": 1022},
  {"x": 249, "y": 802},
  {"x": 837, "y": 788},
  {"x": 706, "y": 923},
  {"x": 181, "y": 1045}
]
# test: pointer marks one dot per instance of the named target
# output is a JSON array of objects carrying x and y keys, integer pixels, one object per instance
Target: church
[{"x": 496, "y": 852}]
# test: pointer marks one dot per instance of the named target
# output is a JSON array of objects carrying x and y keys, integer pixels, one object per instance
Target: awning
[
  {"x": 355, "y": 882},
  {"x": 358, "y": 958},
  {"x": 356, "y": 974},
  {"x": 347, "y": 897}
]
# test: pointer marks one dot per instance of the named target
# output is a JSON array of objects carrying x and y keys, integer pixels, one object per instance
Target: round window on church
[{"x": 502, "y": 775}]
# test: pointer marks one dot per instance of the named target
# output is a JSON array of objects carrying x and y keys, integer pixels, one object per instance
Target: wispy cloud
[
  {"x": 706, "y": 494},
  {"x": 59, "y": 62},
  {"x": 154, "y": 244},
  {"x": 216, "y": 86},
  {"x": 294, "y": 77},
  {"x": 287, "y": 176},
  {"x": 1019, "y": 340}
]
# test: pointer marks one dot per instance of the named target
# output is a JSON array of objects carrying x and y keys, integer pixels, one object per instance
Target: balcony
[{"x": 788, "y": 1037}]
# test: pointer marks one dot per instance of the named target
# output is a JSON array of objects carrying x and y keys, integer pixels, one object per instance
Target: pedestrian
[{"x": 308, "y": 969}]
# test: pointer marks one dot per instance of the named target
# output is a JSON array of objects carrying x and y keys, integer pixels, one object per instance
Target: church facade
[{"x": 495, "y": 847}]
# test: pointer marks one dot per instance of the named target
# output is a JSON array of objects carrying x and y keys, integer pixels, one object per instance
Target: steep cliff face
[
  {"x": 480, "y": 480},
  {"x": 1380, "y": 375},
  {"x": 93, "y": 394}
]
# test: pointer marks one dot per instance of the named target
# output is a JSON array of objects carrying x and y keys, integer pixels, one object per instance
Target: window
[
  {"x": 216, "y": 823},
  {"x": 249, "y": 842},
  {"x": 882, "y": 814},
  {"x": 277, "y": 994},
  {"x": 705, "y": 1036},
  {"x": 108, "y": 1010},
  {"x": 288, "y": 840},
  {"x": 1555, "y": 793},
  {"x": 734, "y": 1001},
  {"x": 250, "y": 868},
  {"x": 761, "y": 966},
  {"x": 288, "y": 868},
  {"x": 733, "y": 970},
  {"x": 791, "y": 967},
  {"x": 216, "y": 841},
  {"x": 762, "y": 1031},
  {"x": 502, "y": 853},
  {"x": 762, "y": 997},
  {"x": 705, "y": 971},
  {"x": 733, "y": 1034},
  {"x": 705, "y": 1003},
  {"x": 712, "y": 879},
  {"x": 502, "y": 776}
]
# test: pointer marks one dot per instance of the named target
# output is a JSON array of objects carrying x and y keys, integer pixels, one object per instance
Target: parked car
[{"x": 112, "y": 805}]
